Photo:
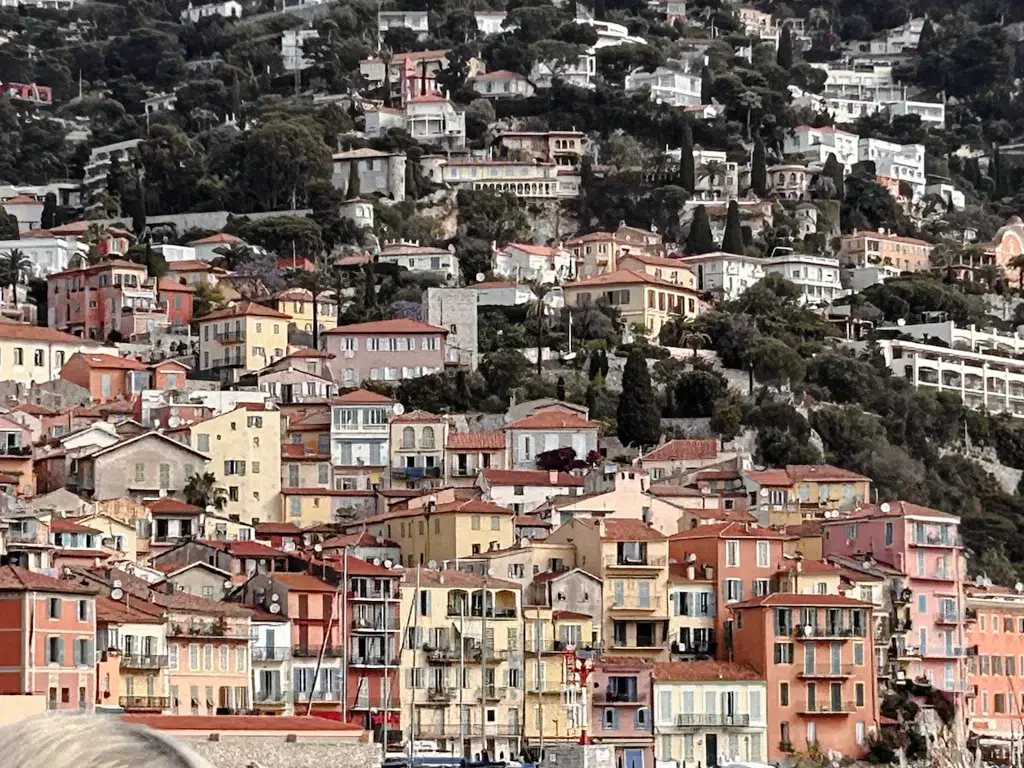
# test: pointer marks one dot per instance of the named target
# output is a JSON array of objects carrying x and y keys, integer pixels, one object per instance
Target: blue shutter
[
  {"x": 60, "y": 647},
  {"x": 298, "y": 681},
  {"x": 712, "y": 605},
  {"x": 48, "y": 656},
  {"x": 78, "y": 652},
  {"x": 615, "y": 719},
  {"x": 775, "y": 617}
]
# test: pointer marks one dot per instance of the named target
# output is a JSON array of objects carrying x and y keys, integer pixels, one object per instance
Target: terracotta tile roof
[
  {"x": 400, "y": 325},
  {"x": 300, "y": 452},
  {"x": 426, "y": 577},
  {"x": 657, "y": 261},
  {"x": 822, "y": 473},
  {"x": 718, "y": 474},
  {"x": 170, "y": 284},
  {"x": 244, "y": 309},
  {"x": 628, "y": 277},
  {"x": 800, "y": 600},
  {"x": 530, "y": 521},
  {"x": 116, "y": 612},
  {"x": 560, "y": 615},
  {"x": 220, "y": 238},
  {"x": 361, "y": 397},
  {"x": 191, "y": 265},
  {"x": 554, "y": 420},
  {"x": 499, "y": 74},
  {"x": 476, "y": 441},
  {"x": 173, "y": 506},
  {"x": 810, "y": 567},
  {"x": 303, "y": 582},
  {"x": 629, "y": 530},
  {"x": 703, "y": 671},
  {"x": 731, "y": 530},
  {"x": 66, "y": 525},
  {"x": 323, "y": 492},
  {"x": 22, "y": 332},
  {"x": 14, "y": 578},
  {"x": 771, "y": 477},
  {"x": 683, "y": 450},
  {"x": 359, "y": 539},
  {"x": 895, "y": 509},
  {"x": 414, "y": 417},
  {"x": 536, "y": 250},
  {"x": 665, "y": 490},
  {"x": 253, "y": 549},
  {"x": 806, "y": 528},
  {"x": 110, "y": 361},
  {"x": 277, "y": 529},
  {"x": 531, "y": 477},
  {"x": 465, "y": 506},
  {"x": 20, "y": 200},
  {"x": 309, "y": 353},
  {"x": 238, "y": 723},
  {"x": 34, "y": 410}
]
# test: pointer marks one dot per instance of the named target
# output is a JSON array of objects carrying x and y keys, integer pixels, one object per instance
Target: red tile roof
[
  {"x": 323, "y": 492},
  {"x": 14, "y": 578},
  {"x": 629, "y": 530},
  {"x": 191, "y": 265},
  {"x": 415, "y": 417},
  {"x": 703, "y": 671},
  {"x": 895, "y": 509},
  {"x": 554, "y": 420},
  {"x": 238, "y": 723},
  {"x": 683, "y": 450},
  {"x": 34, "y": 410},
  {"x": 531, "y": 477},
  {"x": 731, "y": 530},
  {"x": 303, "y": 582},
  {"x": 116, "y": 612},
  {"x": 560, "y": 615},
  {"x": 22, "y": 332},
  {"x": 361, "y": 397},
  {"x": 771, "y": 477},
  {"x": 253, "y": 549},
  {"x": 170, "y": 284},
  {"x": 277, "y": 529},
  {"x": 244, "y": 309},
  {"x": 400, "y": 325},
  {"x": 476, "y": 441},
  {"x": 629, "y": 277},
  {"x": 784, "y": 599},
  {"x": 110, "y": 361},
  {"x": 427, "y": 577},
  {"x": 822, "y": 473},
  {"x": 173, "y": 506},
  {"x": 810, "y": 567},
  {"x": 300, "y": 452},
  {"x": 65, "y": 525},
  {"x": 530, "y": 521},
  {"x": 220, "y": 238}
]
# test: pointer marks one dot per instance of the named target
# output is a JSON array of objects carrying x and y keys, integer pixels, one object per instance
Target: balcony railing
[
  {"x": 143, "y": 661},
  {"x": 415, "y": 473},
  {"x": 271, "y": 654},
  {"x": 208, "y": 629},
  {"x": 935, "y": 540},
  {"x": 374, "y": 624},
  {"x": 492, "y": 693},
  {"x": 440, "y": 694},
  {"x": 454, "y": 611},
  {"x": 949, "y": 619},
  {"x": 269, "y": 698},
  {"x": 826, "y": 708},
  {"x": 375, "y": 594},
  {"x": 634, "y": 603},
  {"x": 694, "y": 649},
  {"x": 27, "y": 537},
  {"x": 15, "y": 450},
  {"x": 373, "y": 661},
  {"x": 492, "y": 729},
  {"x": 714, "y": 719},
  {"x": 639, "y": 561},
  {"x": 301, "y": 696},
  {"x": 229, "y": 337},
  {"x": 312, "y": 651},
  {"x": 145, "y": 703},
  {"x": 833, "y": 632},
  {"x": 464, "y": 471},
  {"x": 826, "y": 670},
  {"x": 615, "y": 697}
]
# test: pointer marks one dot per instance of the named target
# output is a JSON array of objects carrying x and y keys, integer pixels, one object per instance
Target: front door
[
  {"x": 634, "y": 758},
  {"x": 711, "y": 750}
]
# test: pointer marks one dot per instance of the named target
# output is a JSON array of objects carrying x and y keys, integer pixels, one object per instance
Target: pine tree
[
  {"x": 638, "y": 417},
  {"x": 591, "y": 398},
  {"x": 732, "y": 240},
  {"x": 699, "y": 239},
  {"x": 353, "y": 180},
  {"x": 833, "y": 170},
  {"x": 706, "y": 81},
  {"x": 687, "y": 172},
  {"x": 759, "y": 169},
  {"x": 784, "y": 57}
]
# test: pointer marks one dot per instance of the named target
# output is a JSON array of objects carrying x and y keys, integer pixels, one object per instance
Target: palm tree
[
  {"x": 14, "y": 265},
  {"x": 694, "y": 339},
  {"x": 538, "y": 309},
  {"x": 750, "y": 101},
  {"x": 712, "y": 170},
  {"x": 202, "y": 491},
  {"x": 316, "y": 282},
  {"x": 1017, "y": 262},
  {"x": 232, "y": 255}
]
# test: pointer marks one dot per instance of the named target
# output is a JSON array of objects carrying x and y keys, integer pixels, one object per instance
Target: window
[
  {"x": 202, "y": 442},
  {"x": 208, "y": 658},
  {"x": 37, "y": 358},
  {"x": 19, "y": 356},
  {"x": 255, "y": 422},
  {"x": 784, "y": 653},
  {"x": 193, "y": 657},
  {"x": 165, "y": 476},
  {"x": 733, "y": 590},
  {"x": 475, "y": 522},
  {"x": 783, "y": 694},
  {"x": 762, "y": 555},
  {"x": 84, "y": 610},
  {"x": 859, "y": 694},
  {"x": 172, "y": 657},
  {"x": 732, "y": 553},
  {"x": 53, "y": 608},
  {"x": 495, "y": 523}
]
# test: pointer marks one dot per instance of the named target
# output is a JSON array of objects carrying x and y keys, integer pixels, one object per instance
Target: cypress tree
[
  {"x": 604, "y": 364},
  {"x": 560, "y": 388},
  {"x": 139, "y": 211},
  {"x": 687, "y": 172},
  {"x": 638, "y": 416},
  {"x": 591, "y": 399},
  {"x": 699, "y": 239},
  {"x": 927, "y": 39},
  {"x": 49, "y": 215},
  {"x": 352, "y": 192},
  {"x": 998, "y": 175},
  {"x": 784, "y": 56},
  {"x": 705, "y": 85},
  {"x": 759, "y": 169},
  {"x": 834, "y": 171},
  {"x": 732, "y": 241},
  {"x": 600, "y": 10}
]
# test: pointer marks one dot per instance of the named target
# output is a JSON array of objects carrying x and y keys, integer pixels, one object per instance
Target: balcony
[
  {"x": 440, "y": 695},
  {"x": 269, "y": 699},
  {"x": 948, "y": 619},
  {"x": 304, "y": 696},
  {"x": 464, "y": 471},
  {"x": 375, "y": 594},
  {"x": 313, "y": 651},
  {"x": 416, "y": 473},
  {"x": 373, "y": 661},
  {"x": 714, "y": 719},
  {"x": 694, "y": 649},
  {"x": 216, "y": 628},
  {"x": 826, "y": 708},
  {"x": 492, "y": 693},
  {"x": 936, "y": 540},
  {"x": 227, "y": 362},
  {"x": 230, "y": 337},
  {"x": 15, "y": 450},
  {"x": 271, "y": 654},
  {"x": 639, "y": 561},
  {"x": 441, "y": 655},
  {"x": 374, "y": 624},
  {"x": 826, "y": 671},
  {"x": 35, "y": 538},
  {"x": 145, "y": 703},
  {"x": 901, "y": 596},
  {"x": 475, "y": 652},
  {"x": 143, "y": 661},
  {"x": 615, "y": 697},
  {"x": 492, "y": 729},
  {"x": 944, "y": 652},
  {"x": 832, "y": 632},
  {"x": 455, "y": 611}
]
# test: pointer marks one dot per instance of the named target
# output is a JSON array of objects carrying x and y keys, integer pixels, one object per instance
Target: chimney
[
  {"x": 691, "y": 572},
  {"x": 600, "y": 527},
  {"x": 553, "y": 476},
  {"x": 800, "y": 565},
  {"x": 709, "y": 572}
]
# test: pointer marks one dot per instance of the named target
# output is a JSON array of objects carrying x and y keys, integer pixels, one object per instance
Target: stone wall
[{"x": 236, "y": 752}]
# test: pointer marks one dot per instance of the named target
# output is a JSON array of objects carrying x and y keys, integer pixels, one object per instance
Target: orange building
[
  {"x": 742, "y": 557},
  {"x": 870, "y": 248},
  {"x": 16, "y": 467},
  {"x": 47, "y": 639},
  {"x": 995, "y": 667},
  {"x": 815, "y": 652},
  {"x": 105, "y": 376}
]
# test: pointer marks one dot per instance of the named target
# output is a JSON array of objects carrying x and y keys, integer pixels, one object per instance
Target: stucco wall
[{"x": 235, "y": 752}]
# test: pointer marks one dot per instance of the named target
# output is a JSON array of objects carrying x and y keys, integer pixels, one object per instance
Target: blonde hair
[{"x": 89, "y": 741}]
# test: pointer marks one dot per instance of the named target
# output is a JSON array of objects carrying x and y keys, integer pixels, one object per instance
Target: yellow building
[
  {"x": 306, "y": 507},
  {"x": 115, "y": 534},
  {"x": 549, "y": 634},
  {"x": 133, "y": 665},
  {"x": 244, "y": 446},
  {"x": 244, "y": 336},
  {"x": 631, "y": 558},
  {"x": 673, "y": 270},
  {"x": 297, "y": 303},
  {"x": 437, "y": 527},
  {"x": 32, "y": 354},
  {"x": 641, "y": 298},
  {"x": 692, "y": 612},
  {"x": 802, "y": 492},
  {"x": 462, "y": 625},
  {"x": 310, "y": 427}
]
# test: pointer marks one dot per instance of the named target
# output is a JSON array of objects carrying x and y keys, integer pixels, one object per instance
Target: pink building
[
  {"x": 621, "y": 710},
  {"x": 925, "y": 544},
  {"x": 386, "y": 350}
]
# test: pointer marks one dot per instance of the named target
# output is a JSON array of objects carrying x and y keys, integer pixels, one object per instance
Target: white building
[
  {"x": 903, "y": 162},
  {"x": 579, "y": 73},
  {"x": 498, "y": 293},
  {"x": 175, "y": 252},
  {"x": 380, "y": 173},
  {"x": 951, "y": 196},
  {"x": 867, "y": 76},
  {"x": 817, "y": 276},
  {"x": 491, "y": 22},
  {"x": 271, "y": 651},
  {"x": 806, "y": 215},
  {"x": 431, "y": 119},
  {"x": 542, "y": 263},
  {"x": 816, "y": 144},
  {"x": 26, "y": 209},
  {"x": 759, "y": 24},
  {"x": 790, "y": 181},
  {"x": 725, "y": 275},
  {"x": 610, "y": 34},
  {"x": 230, "y": 9},
  {"x": 100, "y": 159},
  {"x": 415, "y": 21},
  {"x": 970, "y": 338},
  {"x": 422, "y": 259},
  {"x": 501, "y": 84},
  {"x": 668, "y": 85},
  {"x": 524, "y": 179},
  {"x": 931, "y": 113},
  {"x": 292, "y": 48},
  {"x": 523, "y": 491},
  {"x": 47, "y": 254},
  {"x": 359, "y": 430},
  {"x": 709, "y": 712}
]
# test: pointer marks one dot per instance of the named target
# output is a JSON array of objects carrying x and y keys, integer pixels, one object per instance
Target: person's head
[{"x": 57, "y": 741}]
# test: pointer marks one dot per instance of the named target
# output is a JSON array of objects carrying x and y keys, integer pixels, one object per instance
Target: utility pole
[
  {"x": 344, "y": 638},
  {"x": 483, "y": 674}
]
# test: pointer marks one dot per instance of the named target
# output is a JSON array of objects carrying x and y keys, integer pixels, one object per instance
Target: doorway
[{"x": 711, "y": 750}]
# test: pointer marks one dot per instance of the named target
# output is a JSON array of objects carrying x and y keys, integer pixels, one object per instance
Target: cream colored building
[
  {"x": 460, "y": 621},
  {"x": 642, "y": 299},
  {"x": 660, "y": 267},
  {"x": 244, "y": 446},
  {"x": 630, "y": 499},
  {"x": 417, "y": 444},
  {"x": 709, "y": 713},
  {"x": 438, "y": 527},
  {"x": 297, "y": 303},
  {"x": 692, "y": 611},
  {"x": 631, "y": 558},
  {"x": 30, "y": 353},
  {"x": 246, "y": 337}
]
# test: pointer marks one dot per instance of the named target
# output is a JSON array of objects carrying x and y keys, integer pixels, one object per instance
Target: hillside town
[{"x": 616, "y": 384}]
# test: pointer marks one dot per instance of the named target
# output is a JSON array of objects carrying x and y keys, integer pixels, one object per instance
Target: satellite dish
[
  {"x": 692, "y": 557},
  {"x": 1019, "y": 587},
  {"x": 764, "y": 492},
  {"x": 173, "y": 421},
  {"x": 349, "y": 354},
  {"x": 901, "y": 322},
  {"x": 398, "y": 409},
  {"x": 490, "y": 571},
  {"x": 228, "y": 584},
  {"x": 275, "y": 608},
  {"x": 432, "y": 498},
  {"x": 376, "y": 561},
  {"x": 432, "y": 564},
  {"x": 480, "y": 277},
  {"x": 156, "y": 423},
  {"x": 318, "y": 547},
  {"x": 388, "y": 563},
  {"x": 289, "y": 546},
  {"x": 885, "y": 507},
  {"x": 808, "y": 630},
  {"x": 275, "y": 598},
  {"x": 116, "y": 594},
  {"x": 117, "y": 584}
]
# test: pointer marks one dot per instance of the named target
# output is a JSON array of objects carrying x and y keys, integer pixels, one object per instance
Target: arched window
[
  {"x": 408, "y": 437},
  {"x": 427, "y": 438}
]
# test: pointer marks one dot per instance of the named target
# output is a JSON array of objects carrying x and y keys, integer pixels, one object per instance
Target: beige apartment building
[{"x": 246, "y": 337}]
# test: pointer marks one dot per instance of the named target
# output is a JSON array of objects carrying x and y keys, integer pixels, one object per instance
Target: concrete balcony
[
  {"x": 826, "y": 708},
  {"x": 143, "y": 661},
  {"x": 230, "y": 337},
  {"x": 271, "y": 654},
  {"x": 144, "y": 703},
  {"x": 826, "y": 671},
  {"x": 639, "y": 563},
  {"x": 712, "y": 720}
]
